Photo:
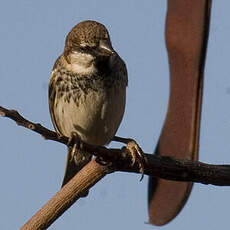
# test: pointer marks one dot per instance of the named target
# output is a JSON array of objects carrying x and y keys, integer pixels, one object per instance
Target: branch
[
  {"x": 155, "y": 166},
  {"x": 64, "y": 198}
]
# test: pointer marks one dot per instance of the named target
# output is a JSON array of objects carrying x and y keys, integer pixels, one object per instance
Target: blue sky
[{"x": 31, "y": 169}]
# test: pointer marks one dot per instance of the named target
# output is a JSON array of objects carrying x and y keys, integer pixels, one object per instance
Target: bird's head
[{"x": 88, "y": 38}]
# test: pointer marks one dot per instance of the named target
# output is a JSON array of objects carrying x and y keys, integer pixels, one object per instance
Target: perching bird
[{"x": 87, "y": 91}]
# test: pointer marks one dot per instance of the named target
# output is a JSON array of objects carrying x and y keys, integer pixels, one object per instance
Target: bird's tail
[{"x": 74, "y": 163}]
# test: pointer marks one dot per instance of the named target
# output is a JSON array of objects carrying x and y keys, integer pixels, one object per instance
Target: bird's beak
[{"x": 106, "y": 47}]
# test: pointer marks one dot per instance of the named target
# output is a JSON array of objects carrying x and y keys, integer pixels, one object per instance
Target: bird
[{"x": 87, "y": 91}]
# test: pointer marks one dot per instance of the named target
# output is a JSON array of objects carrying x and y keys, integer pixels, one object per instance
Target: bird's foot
[
  {"x": 75, "y": 143},
  {"x": 137, "y": 154}
]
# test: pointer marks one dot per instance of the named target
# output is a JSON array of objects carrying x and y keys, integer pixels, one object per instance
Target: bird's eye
[{"x": 85, "y": 46}]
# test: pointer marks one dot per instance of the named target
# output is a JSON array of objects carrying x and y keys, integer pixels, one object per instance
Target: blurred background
[{"x": 31, "y": 169}]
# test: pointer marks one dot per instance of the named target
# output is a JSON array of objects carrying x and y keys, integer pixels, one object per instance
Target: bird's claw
[
  {"x": 76, "y": 143},
  {"x": 73, "y": 152},
  {"x": 137, "y": 156}
]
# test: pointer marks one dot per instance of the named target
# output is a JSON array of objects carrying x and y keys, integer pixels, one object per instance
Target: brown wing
[
  {"x": 120, "y": 69},
  {"x": 52, "y": 95}
]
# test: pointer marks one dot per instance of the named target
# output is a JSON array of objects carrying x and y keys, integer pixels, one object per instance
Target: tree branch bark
[{"x": 64, "y": 198}]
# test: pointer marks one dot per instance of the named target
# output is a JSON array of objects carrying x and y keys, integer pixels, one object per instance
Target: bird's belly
[{"x": 95, "y": 118}]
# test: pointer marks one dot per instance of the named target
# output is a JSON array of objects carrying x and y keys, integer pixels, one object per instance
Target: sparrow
[{"x": 87, "y": 91}]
